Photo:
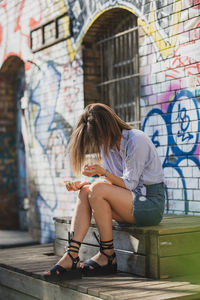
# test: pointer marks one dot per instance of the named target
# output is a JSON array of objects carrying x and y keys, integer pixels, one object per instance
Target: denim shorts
[{"x": 148, "y": 210}]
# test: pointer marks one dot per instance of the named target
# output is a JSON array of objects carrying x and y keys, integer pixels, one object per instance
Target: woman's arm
[
  {"x": 115, "y": 180},
  {"x": 75, "y": 185},
  {"x": 98, "y": 170}
]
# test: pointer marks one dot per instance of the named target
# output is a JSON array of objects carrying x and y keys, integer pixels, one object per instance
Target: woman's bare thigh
[{"x": 120, "y": 200}]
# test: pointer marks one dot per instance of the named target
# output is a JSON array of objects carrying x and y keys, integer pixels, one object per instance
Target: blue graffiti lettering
[
  {"x": 156, "y": 142},
  {"x": 178, "y": 129},
  {"x": 184, "y": 120}
]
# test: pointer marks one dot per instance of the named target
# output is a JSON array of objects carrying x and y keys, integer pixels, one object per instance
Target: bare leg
[
  {"x": 80, "y": 224},
  {"x": 82, "y": 216},
  {"x": 106, "y": 201}
]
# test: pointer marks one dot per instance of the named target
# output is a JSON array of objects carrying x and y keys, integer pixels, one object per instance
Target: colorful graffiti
[
  {"x": 14, "y": 32},
  {"x": 51, "y": 132},
  {"x": 170, "y": 45},
  {"x": 176, "y": 138},
  {"x": 185, "y": 64},
  {"x": 171, "y": 112},
  {"x": 158, "y": 26},
  {"x": 151, "y": 18},
  {"x": 44, "y": 96},
  {"x": 194, "y": 3},
  {"x": 177, "y": 116},
  {"x": 70, "y": 89}
]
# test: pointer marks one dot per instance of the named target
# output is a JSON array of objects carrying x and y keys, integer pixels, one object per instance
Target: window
[{"x": 111, "y": 62}]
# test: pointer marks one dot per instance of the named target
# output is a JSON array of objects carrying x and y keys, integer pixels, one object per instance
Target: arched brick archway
[
  {"x": 111, "y": 63},
  {"x": 11, "y": 90}
]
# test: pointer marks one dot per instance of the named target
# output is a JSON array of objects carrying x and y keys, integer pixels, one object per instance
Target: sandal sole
[
  {"x": 68, "y": 275},
  {"x": 100, "y": 271}
]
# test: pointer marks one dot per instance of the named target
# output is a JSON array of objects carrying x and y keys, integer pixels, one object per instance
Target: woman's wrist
[{"x": 105, "y": 174}]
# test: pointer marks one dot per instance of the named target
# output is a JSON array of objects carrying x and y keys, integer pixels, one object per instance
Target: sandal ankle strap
[
  {"x": 70, "y": 240},
  {"x": 71, "y": 248},
  {"x": 106, "y": 245},
  {"x": 75, "y": 260}
]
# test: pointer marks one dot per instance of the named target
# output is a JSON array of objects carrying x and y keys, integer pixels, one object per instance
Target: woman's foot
[
  {"x": 68, "y": 267},
  {"x": 65, "y": 262},
  {"x": 103, "y": 263},
  {"x": 101, "y": 259}
]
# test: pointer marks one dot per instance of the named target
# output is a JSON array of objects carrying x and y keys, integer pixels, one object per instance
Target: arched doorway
[
  {"x": 111, "y": 63},
  {"x": 12, "y": 152}
]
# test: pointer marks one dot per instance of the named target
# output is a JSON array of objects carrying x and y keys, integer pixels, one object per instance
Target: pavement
[{"x": 15, "y": 238}]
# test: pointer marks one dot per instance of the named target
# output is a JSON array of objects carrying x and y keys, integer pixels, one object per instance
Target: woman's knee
[
  {"x": 96, "y": 191},
  {"x": 83, "y": 194}
]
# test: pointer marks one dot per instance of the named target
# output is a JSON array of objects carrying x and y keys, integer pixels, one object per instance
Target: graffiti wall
[
  {"x": 54, "y": 97},
  {"x": 169, "y": 68},
  {"x": 170, "y": 105},
  {"x": 14, "y": 31}
]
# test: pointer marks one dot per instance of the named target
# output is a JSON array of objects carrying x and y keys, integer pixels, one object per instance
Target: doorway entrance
[{"x": 13, "y": 188}]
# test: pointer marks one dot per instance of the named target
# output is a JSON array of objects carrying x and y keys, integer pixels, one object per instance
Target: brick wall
[
  {"x": 54, "y": 96},
  {"x": 8, "y": 184}
]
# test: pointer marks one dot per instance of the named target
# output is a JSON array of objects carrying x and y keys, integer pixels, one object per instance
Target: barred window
[{"x": 111, "y": 64}]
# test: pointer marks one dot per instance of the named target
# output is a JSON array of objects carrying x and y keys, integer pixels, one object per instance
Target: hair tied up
[{"x": 85, "y": 121}]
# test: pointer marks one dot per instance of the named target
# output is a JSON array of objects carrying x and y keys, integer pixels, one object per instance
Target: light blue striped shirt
[{"x": 137, "y": 162}]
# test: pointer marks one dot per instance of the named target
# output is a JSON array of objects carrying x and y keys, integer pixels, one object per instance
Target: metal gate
[{"x": 119, "y": 70}]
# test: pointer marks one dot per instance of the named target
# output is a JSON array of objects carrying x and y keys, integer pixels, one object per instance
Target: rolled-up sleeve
[{"x": 134, "y": 158}]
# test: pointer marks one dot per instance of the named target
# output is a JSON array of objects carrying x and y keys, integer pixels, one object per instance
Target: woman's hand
[
  {"x": 91, "y": 170},
  {"x": 75, "y": 185}
]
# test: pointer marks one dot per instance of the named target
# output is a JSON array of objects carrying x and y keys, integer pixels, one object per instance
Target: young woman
[{"x": 132, "y": 192}]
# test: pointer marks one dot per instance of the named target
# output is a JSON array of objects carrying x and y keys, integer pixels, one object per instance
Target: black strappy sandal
[
  {"x": 97, "y": 269},
  {"x": 58, "y": 273}
]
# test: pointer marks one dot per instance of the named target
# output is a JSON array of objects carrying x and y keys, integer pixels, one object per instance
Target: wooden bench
[{"x": 168, "y": 250}]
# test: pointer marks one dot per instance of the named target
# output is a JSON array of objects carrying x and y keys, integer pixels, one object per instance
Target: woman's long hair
[{"x": 97, "y": 127}]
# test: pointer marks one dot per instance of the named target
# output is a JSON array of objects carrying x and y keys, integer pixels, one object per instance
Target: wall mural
[
  {"x": 48, "y": 127},
  {"x": 177, "y": 135},
  {"x": 177, "y": 115},
  {"x": 83, "y": 13},
  {"x": 50, "y": 132},
  {"x": 14, "y": 32},
  {"x": 55, "y": 94}
]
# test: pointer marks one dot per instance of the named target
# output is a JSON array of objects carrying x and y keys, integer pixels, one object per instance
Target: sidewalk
[{"x": 15, "y": 238}]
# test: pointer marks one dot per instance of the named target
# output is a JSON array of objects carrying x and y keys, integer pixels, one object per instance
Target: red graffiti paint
[
  {"x": 196, "y": 3},
  {"x": 184, "y": 65},
  {"x": 17, "y": 27},
  {"x": 197, "y": 31},
  {"x": 32, "y": 22}
]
